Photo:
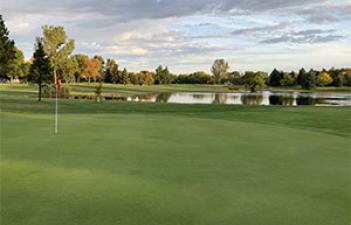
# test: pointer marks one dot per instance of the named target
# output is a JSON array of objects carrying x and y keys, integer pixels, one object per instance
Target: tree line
[{"x": 54, "y": 56}]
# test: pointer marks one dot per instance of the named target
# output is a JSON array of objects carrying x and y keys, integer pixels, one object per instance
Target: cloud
[
  {"x": 262, "y": 29},
  {"x": 311, "y": 36},
  {"x": 145, "y": 33}
]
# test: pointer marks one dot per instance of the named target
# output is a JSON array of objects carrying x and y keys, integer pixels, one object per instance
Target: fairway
[{"x": 135, "y": 163}]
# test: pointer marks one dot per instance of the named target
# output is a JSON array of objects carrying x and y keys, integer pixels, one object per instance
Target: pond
[{"x": 245, "y": 98}]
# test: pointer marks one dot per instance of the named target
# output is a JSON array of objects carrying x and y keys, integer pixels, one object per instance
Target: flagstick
[
  {"x": 56, "y": 104},
  {"x": 56, "y": 114}
]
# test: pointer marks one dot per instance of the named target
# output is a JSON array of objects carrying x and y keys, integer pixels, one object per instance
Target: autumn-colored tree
[
  {"x": 145, "y": 77},
  {"x": 324, "y": 79},
  {"x": 92, "y": 69}
]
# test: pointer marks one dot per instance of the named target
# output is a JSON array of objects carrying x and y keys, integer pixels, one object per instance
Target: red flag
[{"x": 58, "y": 83}]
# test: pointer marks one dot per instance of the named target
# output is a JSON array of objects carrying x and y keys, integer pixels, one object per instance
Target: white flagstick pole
[
  {"x": 56, "y": 113},
  {"x": 56, "y": 106}
]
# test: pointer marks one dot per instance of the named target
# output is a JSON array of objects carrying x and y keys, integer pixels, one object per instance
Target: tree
[
  {"x": 56, "y": 45},
  {"x": 133, "y": 78},
  {"x": 300, "y": 75},
  {"x": 92, "y": 69},
  {"x": 125, "y": 77},
  {"x": 275, "y": 78},
  {"x": 288, "y": 79},
  {"x": 7, "y": 49},
  {"x": 308, "y": 81},
  {"x": 80, "y": 58},
  {"x": 347, "y": 76},
  {"x": 102, "y": 61},
  {"x": 324, "y": 79},
  {"x": 219, "y": 69},
  {"x": 17, "y": 67},
  {"x": 145, "y": 77},
  {"x": 163, "y": 76},
  {"x": 254, "y": 81},
  {"x": 69, "y": 69},
  {"x": 40, "y": 71},
  {"x": 110, "y": 63}
]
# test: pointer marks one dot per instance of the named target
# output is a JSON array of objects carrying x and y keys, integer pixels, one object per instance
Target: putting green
[{"x": 128, "y": 163}]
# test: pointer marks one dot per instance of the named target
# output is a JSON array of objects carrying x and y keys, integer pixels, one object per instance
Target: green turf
[{"x": 164, "y": 164}]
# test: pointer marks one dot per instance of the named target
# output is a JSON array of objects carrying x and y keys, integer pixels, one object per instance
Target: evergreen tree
[
  {"x": 308, "y": 81},
  {"x": 40, "y": 71},
  {"x": 301, "y": 74},
  {"x": 125, "y": 77},
  {"x": 275, "y": 78},
  {"x": 7, "y": 49}
]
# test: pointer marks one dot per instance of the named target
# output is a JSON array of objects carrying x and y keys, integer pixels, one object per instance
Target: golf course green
[{"x": 167, "y": 164}]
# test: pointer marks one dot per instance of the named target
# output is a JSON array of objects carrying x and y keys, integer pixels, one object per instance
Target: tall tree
[
  {"x": 7, "y": 49},
  {"x": 41, "y": 70},
  {"x": 92, "y": 69},
  {"x": 219, "y": 69},
  {"x": 69, "y": 68},
  {"x": 275, "y": 78},
  {"x": 163, "y": 76},
  {"x": 17, "y": 67},
  {"x": 56, "y": 45},
  {"x": 308, "y": 81},
  {"x": 102, "y": 62},
  {"x": 110, "y": 69},
  {"x": 300, "y": 76},
  {"x": 80, "y": 58}
]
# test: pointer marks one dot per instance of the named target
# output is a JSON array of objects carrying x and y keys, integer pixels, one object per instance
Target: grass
[{"x": 139, "y": 163}]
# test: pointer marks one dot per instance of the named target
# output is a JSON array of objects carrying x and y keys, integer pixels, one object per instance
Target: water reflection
[
  {"x": 251, "y": 99},
  {"x": 243, "y": 98}
]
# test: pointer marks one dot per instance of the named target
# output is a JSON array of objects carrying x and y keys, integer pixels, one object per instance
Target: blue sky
[{"x": 188, "y": 35}]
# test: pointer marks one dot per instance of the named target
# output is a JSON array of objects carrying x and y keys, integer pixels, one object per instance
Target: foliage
[
  {"x": 80, "y": 58},
  {"x": 41, "y": 70},
  {"x": 275, "y": 78},
  {"x": 49, "y": 91},
  {"x": 69, "y": 68},
  {"x": 254, "y": 81},
  {"x": 7, "y": 49},
  {"x": 17, "y": 67},
  {"x": 98, "y": 92},
  {"x": 92, "y": 69},
  {"x": 219, "y": 69},
  {"x": 145, "y": 77},
  {"x": 111, "y": 71},
  {"x": 289, "y": 79},
  {"x": 163, "y": 76},
  {"x": 308, "y": 81},
  {"x": 56, "y": 45},
  {"x": 199, "y": 77},
  {"x": 324, "y": 79}
]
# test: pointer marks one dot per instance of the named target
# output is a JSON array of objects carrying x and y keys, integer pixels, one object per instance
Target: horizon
[{"x": 189, "y": 37}]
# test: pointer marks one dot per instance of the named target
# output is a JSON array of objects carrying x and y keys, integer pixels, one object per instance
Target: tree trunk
[{"x": 39, "y": 97}]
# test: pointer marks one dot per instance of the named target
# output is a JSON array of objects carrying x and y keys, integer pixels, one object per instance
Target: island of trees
[{"x": 54, "y": 56}]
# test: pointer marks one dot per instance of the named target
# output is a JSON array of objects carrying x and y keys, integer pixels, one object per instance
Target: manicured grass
[{"x": 138, "y": 163}]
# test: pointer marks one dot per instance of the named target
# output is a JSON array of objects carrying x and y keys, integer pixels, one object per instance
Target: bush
[{"x": 49, "y": 91}]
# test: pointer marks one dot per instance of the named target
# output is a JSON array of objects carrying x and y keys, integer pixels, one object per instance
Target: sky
[{"x": 188, "y": 35}]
